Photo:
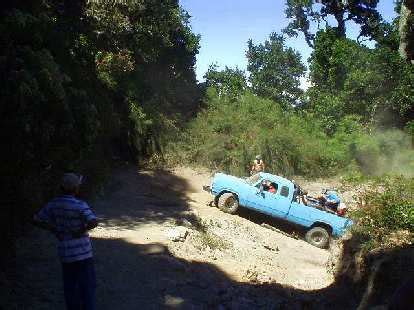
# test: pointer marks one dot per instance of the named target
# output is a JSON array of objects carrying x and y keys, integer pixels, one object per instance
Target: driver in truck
[{"x": 270, "y": 187}]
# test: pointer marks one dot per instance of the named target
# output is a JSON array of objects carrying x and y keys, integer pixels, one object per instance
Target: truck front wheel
[
  {"x": 228, "y": 203},
  {"x": 318, "y": 236}
]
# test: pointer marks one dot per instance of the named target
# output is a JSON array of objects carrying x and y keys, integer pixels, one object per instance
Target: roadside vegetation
[
  {"x": 229, "y": 133},
  {"x": 86, "y": 84},
  {"x": 385, "y": 215}
]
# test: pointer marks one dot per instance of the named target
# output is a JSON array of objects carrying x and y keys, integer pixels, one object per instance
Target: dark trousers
[{"x": 79, "y": 283}]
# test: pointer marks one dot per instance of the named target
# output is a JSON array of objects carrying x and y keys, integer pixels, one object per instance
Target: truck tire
[
  {"x": 228, "y": 203},
  {"x": 318, "y": 236}
]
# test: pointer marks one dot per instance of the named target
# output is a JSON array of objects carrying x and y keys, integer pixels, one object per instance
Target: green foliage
[
  {"x": 387, "y": 216},
  {"x": 406, "y": 30},
  {"x": 112, "y": 66},
  {"x": 228, "y": 134},
  {"x": 410, "y": 128},
  {"x": 275, "y": 70},
  {"x": 350, "y": 79},
  {"x": 343, "y": 81},
  {"x": 228, "y": 82},
  {"x": 149, "y": 60}
]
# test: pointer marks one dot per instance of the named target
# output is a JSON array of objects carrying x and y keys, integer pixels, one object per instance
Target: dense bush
[
  {"x": 228, "y": 133},
  {"x": 386, "y": 216}
]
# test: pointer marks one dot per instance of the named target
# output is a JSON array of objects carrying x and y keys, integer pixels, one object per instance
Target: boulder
[{"x": 177, "y": 234}]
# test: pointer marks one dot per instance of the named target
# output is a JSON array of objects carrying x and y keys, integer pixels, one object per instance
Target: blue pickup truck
[{"x": 278, "y": 197}]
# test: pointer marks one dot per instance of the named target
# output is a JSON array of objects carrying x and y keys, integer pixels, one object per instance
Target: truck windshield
[{"x": 253, "y": 179}]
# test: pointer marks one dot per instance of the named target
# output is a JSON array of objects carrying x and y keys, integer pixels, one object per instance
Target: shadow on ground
[
  {"x": 148, "y": 277},
  {"x": 146, "y": 197}
]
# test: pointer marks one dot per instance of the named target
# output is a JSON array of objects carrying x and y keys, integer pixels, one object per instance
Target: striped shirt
[{"x": 69, "y": 215}]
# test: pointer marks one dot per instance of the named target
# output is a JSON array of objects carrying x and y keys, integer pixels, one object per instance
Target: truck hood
[
  {"x": 226, "y": 177},
  {"x": 222, "y": 176},
  {"x": 220, "y": 181}
]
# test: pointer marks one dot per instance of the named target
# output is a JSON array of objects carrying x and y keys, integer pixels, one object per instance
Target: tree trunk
[
  {"x": 341, "y": 29},
  {"x": 406, "y": 30},
  {"x": 338, "y": 11}
]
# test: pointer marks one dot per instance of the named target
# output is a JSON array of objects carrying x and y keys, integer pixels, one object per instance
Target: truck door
[
  {"x": 279, "y": 203},
  {"x": 276, "y": 204},
  {"x": 254, "y": 197}
]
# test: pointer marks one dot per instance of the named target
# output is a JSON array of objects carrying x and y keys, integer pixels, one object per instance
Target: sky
[{"x": 225, "y": 27}]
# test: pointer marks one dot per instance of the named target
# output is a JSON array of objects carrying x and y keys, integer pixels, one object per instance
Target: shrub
[{"x": 387, "y": 216}]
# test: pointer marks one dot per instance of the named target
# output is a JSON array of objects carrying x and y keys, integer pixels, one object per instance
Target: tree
[
  {"x": 275, "y": 70},
  {"x": 228, "y": 82},
  {"x": 351, "y": 79},
  {"x": 305, "y": 13},
  {"x": 146, "y": 56},
  {"x": 406, "y": 30},
  {"x": 342, "y": 78}
]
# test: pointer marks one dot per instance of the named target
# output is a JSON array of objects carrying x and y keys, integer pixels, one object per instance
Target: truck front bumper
[{"x": 207, "y": 188}]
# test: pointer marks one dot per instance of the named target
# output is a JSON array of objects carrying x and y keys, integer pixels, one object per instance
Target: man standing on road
[{"x": 69, "y": 219}]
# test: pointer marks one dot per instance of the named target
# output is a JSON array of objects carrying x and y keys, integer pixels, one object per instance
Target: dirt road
[{"x": 225, "y": 262}]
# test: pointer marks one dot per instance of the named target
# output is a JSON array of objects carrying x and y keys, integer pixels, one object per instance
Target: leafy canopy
[
  {"x": 351, "y": 79},
  {"x": 275, "y": 70},
  {"x": 228, "y": 82}
]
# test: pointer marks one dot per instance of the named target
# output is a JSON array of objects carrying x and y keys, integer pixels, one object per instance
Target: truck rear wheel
[
  {"x": 228, "y": 203},
  {"x": 318, "y": 236}
]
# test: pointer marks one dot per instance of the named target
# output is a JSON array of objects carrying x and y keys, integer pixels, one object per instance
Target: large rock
[{"x": 177, "y": 234}]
